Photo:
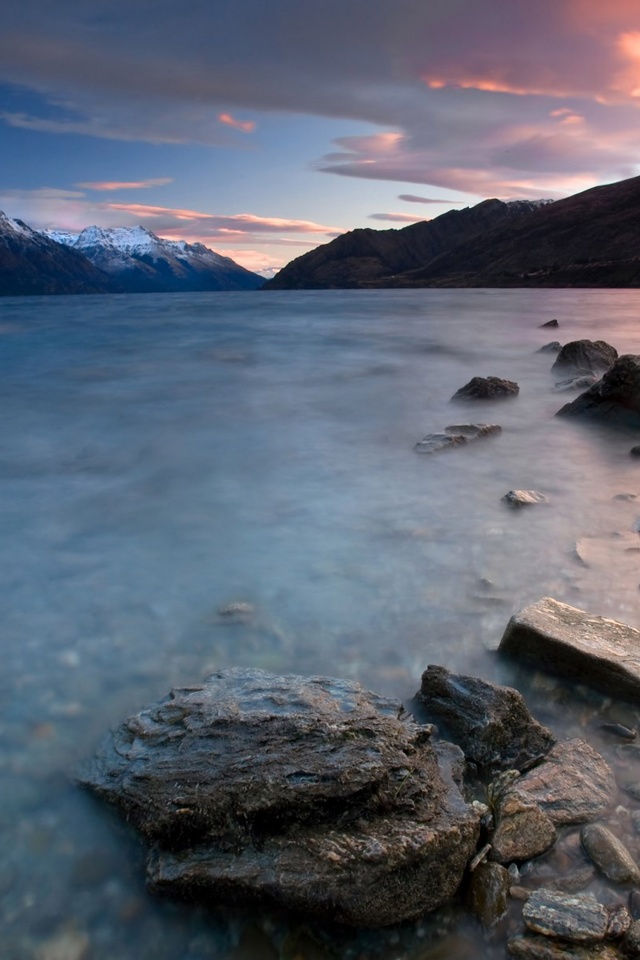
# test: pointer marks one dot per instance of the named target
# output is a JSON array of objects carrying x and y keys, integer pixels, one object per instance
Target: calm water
[{"x": 162, "y": 456}]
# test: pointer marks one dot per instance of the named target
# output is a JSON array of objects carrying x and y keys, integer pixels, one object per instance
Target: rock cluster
[{"x": 615, "y": 399}]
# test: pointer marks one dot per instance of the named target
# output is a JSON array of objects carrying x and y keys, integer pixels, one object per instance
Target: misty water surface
[{"x": 164, "y": 456}]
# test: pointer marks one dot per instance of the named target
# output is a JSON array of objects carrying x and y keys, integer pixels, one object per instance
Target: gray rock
[
  {"x": 574, "y": 784},
  {"x": 490, "y": 723},
  {"x": 487, "y": 388},
  {"x": 550, "y": 323},
  {"x": 562, "y": 639},
  {"x": 575, "y": 880},
  {"x": 524, "y": 498},
  {"x": 585, "y": 356},
  {"x": 542, "y": 948},
  {"x": 553, "y": 347},
  {"x": 609, "y": 854},
  {"x": 614, "y": 399},
  {"x": 522, "y": 830},
  {"x": 579, "y": 918},
  {"x": 489, "y": 893},
  {"x": 619, "y": 922},
  {"x": 456, "y": 436},
  {"x": 434, "y": 442},
  {"x": 307, "y": 793}
]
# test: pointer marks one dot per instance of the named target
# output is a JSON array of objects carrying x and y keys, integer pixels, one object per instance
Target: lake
[{"x": 163, "y": 456}]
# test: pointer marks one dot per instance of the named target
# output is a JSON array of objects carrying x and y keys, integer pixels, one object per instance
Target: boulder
[
  {"x": 602, "y": 653},
  {"x": 490, "y": 723},
  {"x": 554, "y": 346},
  {"x": 615, "y": 399},
  {"x": 487, "y": 388},
  {"x": 304, "y": 793},
  {"x": 550, "y": 323},
  {"x": 585, "y": 356},
  {"x": 573, "y": 784}
]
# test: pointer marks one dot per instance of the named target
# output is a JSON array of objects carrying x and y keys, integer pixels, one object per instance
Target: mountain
[
  {"x": 141, "y": 262},
  {"x": 369, "y": 257},
  {"x": 590, "y": 239},
  {"x": 31, "y": 263}
]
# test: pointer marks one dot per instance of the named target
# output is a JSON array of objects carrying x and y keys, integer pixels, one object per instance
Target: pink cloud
[
  {"x": 412, "y": 198},
  {"x": 247, "y": 126},
  {"x": 237, "y": 223},
  {"x": 105, "y": 185}
]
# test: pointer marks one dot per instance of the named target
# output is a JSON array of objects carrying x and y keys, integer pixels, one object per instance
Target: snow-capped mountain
[
  {"x": 141, "y": 262},
  {"x": 31, "y": 263}
]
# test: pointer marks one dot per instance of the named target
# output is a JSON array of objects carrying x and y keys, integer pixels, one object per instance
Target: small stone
[
  {"x": 576, "y": 880},
  {"x": 579, "y": 918},
  {"x": 488, "y": 893},
  {"x": 609, "y": 854},
  {"x": 631, "y": 942},
  {"x": 434, "y": 442},
  {"x": 517, "y": 892},
  {"x": 550, "y": 323},
  {"x": 523, "y": 830},
  {"x": 619, "y": 730},
  {"x": 619, "y": 922},
  {"x": 542, "y": 948},
  {"x": 523, "y": 498}
]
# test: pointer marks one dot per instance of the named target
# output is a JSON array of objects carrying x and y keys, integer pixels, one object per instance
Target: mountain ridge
[{"x": 588, "y": 239}]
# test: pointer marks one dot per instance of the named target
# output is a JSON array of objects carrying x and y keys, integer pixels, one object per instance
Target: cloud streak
[{"x": 104, "y": 186}]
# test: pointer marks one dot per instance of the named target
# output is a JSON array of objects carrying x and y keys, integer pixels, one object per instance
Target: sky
[{"x": 264, "y": 128}]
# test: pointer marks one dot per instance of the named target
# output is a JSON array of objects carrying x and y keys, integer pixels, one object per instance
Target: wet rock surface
[
  {"x": 581, "y": 382},
  {"x": 572, "y": 643},
  {"x": 615, "y": 399},
  {"x": 579, "y": 918},
  {"x": 308, "y": 793},
  {"x": 585, "y": 356},
  {"x": 489, "y": 893},
  {"x": 573, "y": 784},
  {"x": 522, "y": 829},
  {"x": 487, "y": 388},
  {"x": 490, "y": 723},
  {"x": 609, "y": 854}
]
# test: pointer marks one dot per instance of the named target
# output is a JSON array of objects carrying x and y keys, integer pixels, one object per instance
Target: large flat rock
[
  {"x": 592, "y": 650},
  {"x": 305, "y": 793}
]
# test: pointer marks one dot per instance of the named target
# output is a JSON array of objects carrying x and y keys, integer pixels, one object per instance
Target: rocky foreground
[{"x": 313, "y": 795}]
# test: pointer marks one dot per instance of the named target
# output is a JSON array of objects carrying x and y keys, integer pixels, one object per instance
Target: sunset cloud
[
  {"x": 247, "y": 126},
  {"x": 412, "y": 198},
  {"x": 106, "y": 185}
]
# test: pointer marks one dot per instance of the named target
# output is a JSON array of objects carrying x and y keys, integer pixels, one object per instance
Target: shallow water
[{"x": 162, "y": 456}]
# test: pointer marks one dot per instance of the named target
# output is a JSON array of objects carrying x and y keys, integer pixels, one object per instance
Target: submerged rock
[
  {"x": 455, "y": 436},
  {"x": 575, "y": 383},
  {"x": 550, "y": 323},
  {"x": 585, "y": 356},
  {"x": 609, "y": 854},
  {"x": 542, "y": 948},
  {"x": 307, "y": 793},
  {"x": 553, "y": 347},
  {"x": 490, "y": 723},
  {"x": 487, "y": 388},
  {"x": 524, "y": 498},
  {"x": 614, "y": 399},
  {"x": 564, "y": 640}
]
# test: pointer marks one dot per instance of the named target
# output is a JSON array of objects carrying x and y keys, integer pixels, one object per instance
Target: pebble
[
  {"x": 609, "y": 854},
  {"x": 579, "y": 918}
]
